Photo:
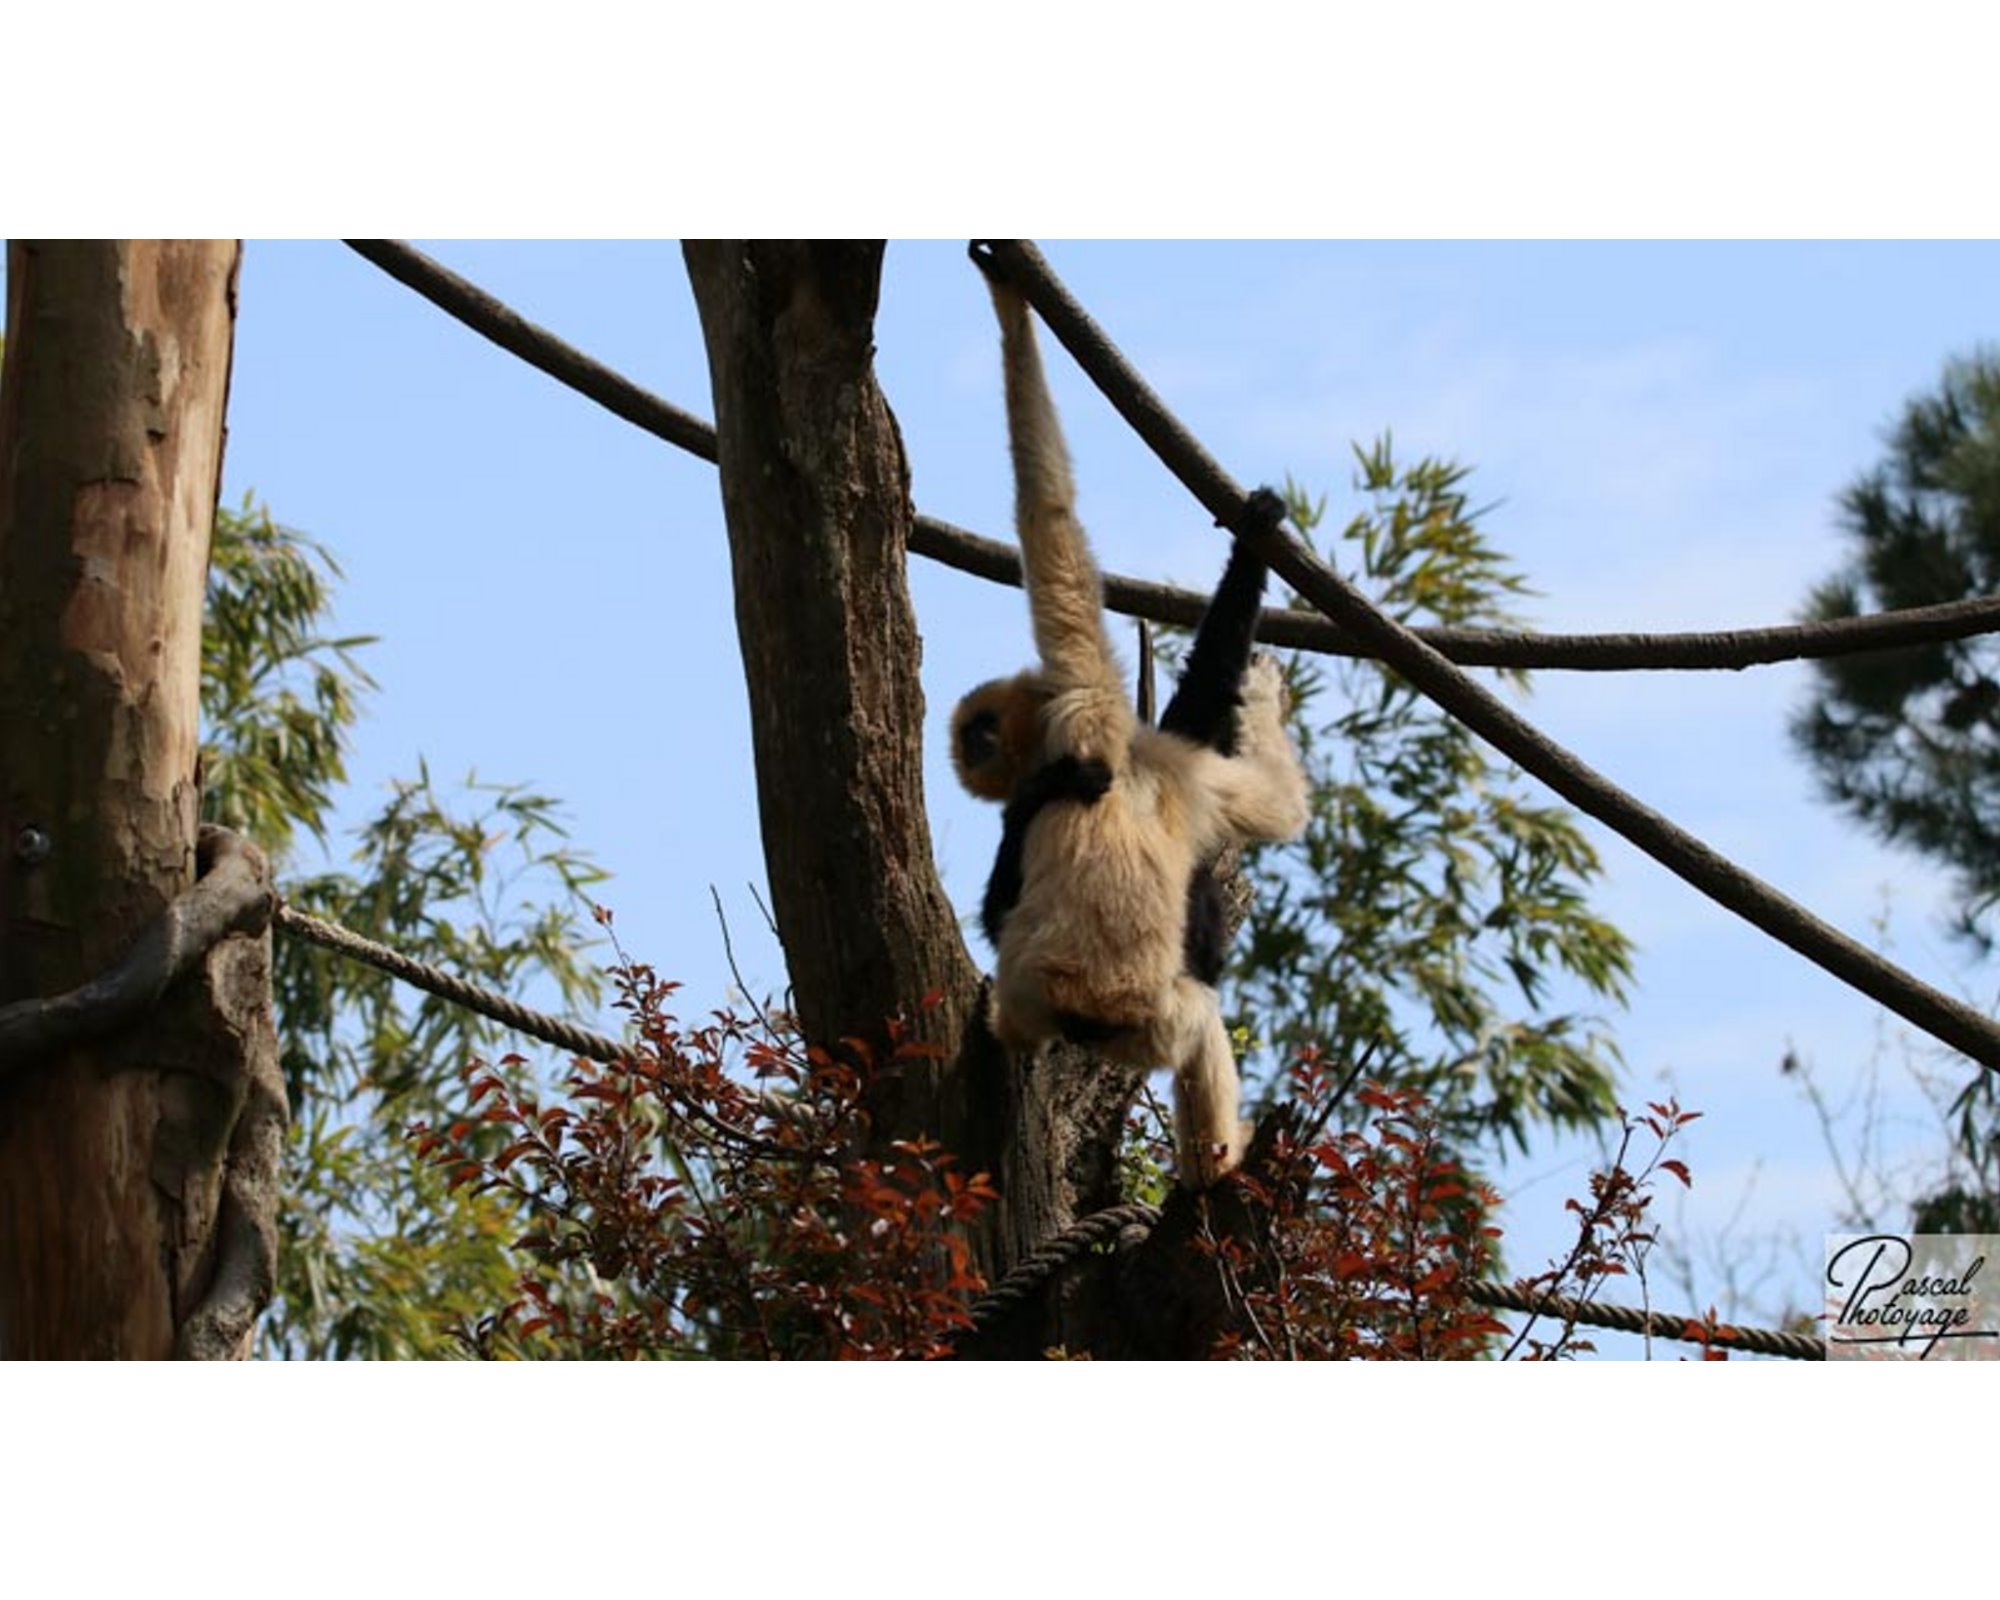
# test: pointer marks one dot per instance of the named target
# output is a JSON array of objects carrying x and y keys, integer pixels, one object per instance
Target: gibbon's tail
[{"x": 1204, "y": 704}]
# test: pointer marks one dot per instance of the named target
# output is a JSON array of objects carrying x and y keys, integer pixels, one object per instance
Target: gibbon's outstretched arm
[{"x": 1087, "y": 715}]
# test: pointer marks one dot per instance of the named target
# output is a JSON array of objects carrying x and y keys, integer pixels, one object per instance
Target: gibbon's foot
[
  {"x": 1209, "y": 1165},
  {"x": 1264, "y": 684}
]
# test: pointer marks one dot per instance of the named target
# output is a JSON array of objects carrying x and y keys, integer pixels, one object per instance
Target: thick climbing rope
[
  {"x": 232, "y": 894},
  {"x": 1660, "y": 1324},
  {"x": 435, "y": 980},
  {"x": 1102, "y": 1226},
  {"x": 1064, "y": 1248}
]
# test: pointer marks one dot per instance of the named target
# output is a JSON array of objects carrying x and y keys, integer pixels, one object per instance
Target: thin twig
[
  {"x": 1679, "y": 851},
  {"x": 968, "y": 552},
  {"x": 729, "y": 956},
  {"x": 1586, "y": 1244},
  {"x": 1310, "y": 1132},
  {"x": 1234, "y": 1299}
]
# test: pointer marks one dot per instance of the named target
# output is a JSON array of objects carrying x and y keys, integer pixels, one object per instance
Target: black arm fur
[
  {"x": 1204, "y": 709},
  {"x": 1204, "y": 704}
]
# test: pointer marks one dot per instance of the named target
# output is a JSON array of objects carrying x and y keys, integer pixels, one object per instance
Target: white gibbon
[{"x": 1102, "y": 908}]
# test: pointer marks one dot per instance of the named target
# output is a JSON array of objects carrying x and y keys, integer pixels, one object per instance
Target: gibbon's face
[{"x": 994, "y": 732}]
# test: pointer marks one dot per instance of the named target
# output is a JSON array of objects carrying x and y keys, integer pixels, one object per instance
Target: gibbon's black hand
[
  {"x": 981, "y": 253},
  {"x": 1263, "y": 511}
]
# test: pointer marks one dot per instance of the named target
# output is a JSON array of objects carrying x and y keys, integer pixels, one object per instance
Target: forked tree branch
[
  {"x": 1721, "y": 879},
  {"x": 1157, "y": 602}
]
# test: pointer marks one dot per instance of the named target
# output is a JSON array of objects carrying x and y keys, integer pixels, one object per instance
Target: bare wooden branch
[
  {"x": 1714, "y": 874},
  {"x": 952, "y": 546},
  {"x": 535, "y": 345}
]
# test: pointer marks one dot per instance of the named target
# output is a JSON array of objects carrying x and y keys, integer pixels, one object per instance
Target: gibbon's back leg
[
  {"x": 1262, "y": 789},
  {"x": 1209, "y": 1136}
]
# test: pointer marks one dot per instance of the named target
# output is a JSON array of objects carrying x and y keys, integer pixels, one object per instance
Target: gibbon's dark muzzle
[{"x": 979, "y": 739}]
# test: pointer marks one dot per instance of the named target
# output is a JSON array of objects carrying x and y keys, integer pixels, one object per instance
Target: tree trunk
[
  {"x": 816, "y": 495},
  {"x": 112, "y": 1154},
  {"x": 815, "y": 491}
]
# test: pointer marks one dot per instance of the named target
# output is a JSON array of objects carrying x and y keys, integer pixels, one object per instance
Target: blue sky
[
  {"x": 1663, "y": 428},
  {"x": 1666, "y": 426}
]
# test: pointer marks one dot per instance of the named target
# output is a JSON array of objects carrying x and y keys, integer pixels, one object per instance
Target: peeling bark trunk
[{"x": 112, "y": 1156}]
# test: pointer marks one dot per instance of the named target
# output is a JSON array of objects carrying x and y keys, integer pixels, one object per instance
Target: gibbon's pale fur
[{"x": 1092, "y": 950}]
